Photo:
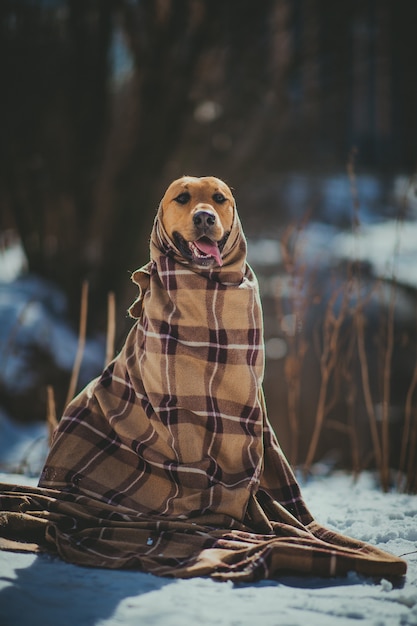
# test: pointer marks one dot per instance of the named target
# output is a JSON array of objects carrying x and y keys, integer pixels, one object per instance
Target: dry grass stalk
[
  {"x": 411, "y": 484},
  {"x": 358, "y": 316},
  {"x": 389, "y": 349},
  {"x": 409, "y": 439},
  {"x": 81, "y": 343},
  {"x": 406, "y": 442},
  {"x": 328, "y": 360},
  {"x": 292, "y": 372},
  {"x": 297, "y": 345},
  {"x": 293, "y": 376},
  {"x": 111, "y": 327},
  {"x": 366, "y": 388},
  {"x": 381, "y": 449},
  {"x": 51, "y": 418},
  {"x": 353, "y": 189},
  {"x": 410, "y": 417},
  {"x": 351, "y": 395},
  {"x": 386, "y": 393}
]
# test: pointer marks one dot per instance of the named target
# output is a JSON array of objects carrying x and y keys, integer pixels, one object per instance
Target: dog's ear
[{"x": 141, "y": 279}]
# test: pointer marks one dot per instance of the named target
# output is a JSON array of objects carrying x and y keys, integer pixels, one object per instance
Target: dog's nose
[{"x": 204, "y": 218}]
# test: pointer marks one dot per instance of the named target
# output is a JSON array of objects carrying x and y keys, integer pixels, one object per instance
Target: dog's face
[{"x": 197, "y": 214}]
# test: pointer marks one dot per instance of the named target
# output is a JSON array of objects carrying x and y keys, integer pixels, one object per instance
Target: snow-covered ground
[{"x": 44, "y": 591}]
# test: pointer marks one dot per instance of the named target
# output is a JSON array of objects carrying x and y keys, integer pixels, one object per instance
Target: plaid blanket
[{"x": 167, "y": 461}]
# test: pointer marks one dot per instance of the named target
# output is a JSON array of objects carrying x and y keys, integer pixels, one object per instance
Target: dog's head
[{"x": 197, "y": 214}]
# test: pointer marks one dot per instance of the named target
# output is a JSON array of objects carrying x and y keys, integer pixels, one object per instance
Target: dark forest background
[{"x": 104, "y": 102}]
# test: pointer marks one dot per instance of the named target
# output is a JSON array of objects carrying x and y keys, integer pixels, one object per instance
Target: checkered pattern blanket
[{"x": 167, "y": 461}]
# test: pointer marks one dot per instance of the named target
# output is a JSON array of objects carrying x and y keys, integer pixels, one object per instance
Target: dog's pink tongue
[{"x": 206, "y": 246}]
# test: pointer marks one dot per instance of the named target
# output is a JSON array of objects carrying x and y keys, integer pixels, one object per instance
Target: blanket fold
[
  {"x": 167, "y": 462},
  {"x": 83, "y": 531}
]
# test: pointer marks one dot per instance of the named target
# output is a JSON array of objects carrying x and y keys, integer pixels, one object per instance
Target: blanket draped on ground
[{"x": 167, "y": 462}]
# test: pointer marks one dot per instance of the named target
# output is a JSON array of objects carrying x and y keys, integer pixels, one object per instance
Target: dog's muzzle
[{"x": 204, "y": 220}]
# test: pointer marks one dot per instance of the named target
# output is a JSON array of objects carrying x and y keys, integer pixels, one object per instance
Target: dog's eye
[
  {"x": 219, "y": 198},
  {"x": 183, "y": 198}
]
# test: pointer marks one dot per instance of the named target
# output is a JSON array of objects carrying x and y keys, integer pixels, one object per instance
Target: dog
[
  {"x": 167, "y": 461},
  {"x": 197, "y": 214}
]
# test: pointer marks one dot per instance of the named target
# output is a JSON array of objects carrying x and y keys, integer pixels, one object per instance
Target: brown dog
[{"x": 198, "y": 214}]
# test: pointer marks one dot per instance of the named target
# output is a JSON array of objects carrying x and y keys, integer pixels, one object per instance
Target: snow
[
  {"x": 44, "y": 591},
  {"x": 13, "y": 261},
  {"x": 389, "y": 247},
  {"x": 33, "y": 322}
]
